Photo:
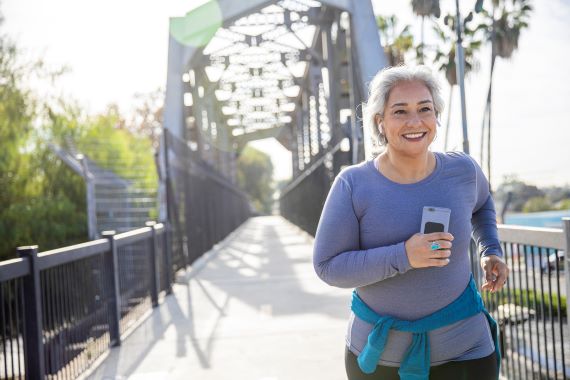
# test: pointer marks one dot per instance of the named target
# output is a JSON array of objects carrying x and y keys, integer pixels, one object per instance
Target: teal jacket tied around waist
[{"x": 416, "y": 362}]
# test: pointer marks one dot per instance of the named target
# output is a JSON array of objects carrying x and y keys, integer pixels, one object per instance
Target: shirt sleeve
[
  {"x": 484, "y": 218},
  {"x": 337, "y": 257}
]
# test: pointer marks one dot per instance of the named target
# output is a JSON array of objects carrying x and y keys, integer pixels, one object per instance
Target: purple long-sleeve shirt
[{"x": 360, "y": 239}]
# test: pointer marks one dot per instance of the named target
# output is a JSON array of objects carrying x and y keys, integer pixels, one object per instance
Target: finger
[
  {"x": 439, "y": 236},
  {"x": 499, "y": 283},
  {"x": 501, "y": 280},
  {"x": 441, "y": 253},
  {"x": 439, "y": 245},
  {"x": 487, "y": 285},
  {"x": 489, "y": 275},
  {"x": 442, "y": 243},
  {"x": 438, "y": 262}
]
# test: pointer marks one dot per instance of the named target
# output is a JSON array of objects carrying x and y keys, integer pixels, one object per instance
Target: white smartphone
[{"x": 435, "y": 219}]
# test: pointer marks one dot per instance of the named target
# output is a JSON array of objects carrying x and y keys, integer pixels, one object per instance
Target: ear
[{"x": 377, "y": 119}]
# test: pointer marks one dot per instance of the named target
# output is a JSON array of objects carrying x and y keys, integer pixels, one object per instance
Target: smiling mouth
[{"x": 414, "y": 136}]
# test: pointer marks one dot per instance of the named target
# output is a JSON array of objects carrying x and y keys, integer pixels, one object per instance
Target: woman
[{"x": 416, "y": 313}]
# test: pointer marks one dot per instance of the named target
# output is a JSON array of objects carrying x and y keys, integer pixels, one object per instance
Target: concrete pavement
[{"x": 252, "y": 308}]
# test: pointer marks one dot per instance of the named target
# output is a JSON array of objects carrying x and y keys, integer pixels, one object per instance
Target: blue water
[{"x": 549, "y": 219}]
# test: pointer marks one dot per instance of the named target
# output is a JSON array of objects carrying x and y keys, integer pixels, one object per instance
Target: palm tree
[
  {"x": 502, "y": 26},
  {"x": 445, "y": 55},
  {"x": 395, "y": 45},
  {"x": 424, "y": 8}
]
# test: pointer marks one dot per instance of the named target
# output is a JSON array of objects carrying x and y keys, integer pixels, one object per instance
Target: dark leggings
[{"x": 476, "y": 369}]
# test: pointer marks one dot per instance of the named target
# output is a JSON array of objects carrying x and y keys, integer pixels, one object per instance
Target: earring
[{"x": 383, "y": 138}]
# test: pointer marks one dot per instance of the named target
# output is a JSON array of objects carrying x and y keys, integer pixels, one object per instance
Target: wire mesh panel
[
  {"x": 134, "y": 281},
  {"x": 11, "y": 330},
  {"x": 203, "y": 206},
  {"x": 303, "y": 199},
  {"x": 122, "y": 188},
  {"x": 531, "y": 312},
  {"x": 74, "y": 316}
]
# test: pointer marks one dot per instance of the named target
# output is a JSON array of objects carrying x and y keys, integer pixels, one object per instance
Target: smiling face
[{"x": 409, "y": 121}]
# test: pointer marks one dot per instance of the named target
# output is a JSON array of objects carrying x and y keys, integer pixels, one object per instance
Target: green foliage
[
  {"x": 50, "y": 222},
  {"x": 16, "y": 113},
  {"x": 445, "y": 49},
  {"x": 42, "y": 201},
  {"x": 254, "y": 176},
  {"x": 529, "y": 198},
  {"x": 521, "y": 192},
  {"x": 563, "y": 204},
  {"x": 425, "y": 8},
  {"x": 502, "y": 24},
  {"x": 534, "y": 300},
  {"x": 395, "y": 44},
  {"x": 536, "y": 204},
  {"x": 105, "y": 141},
  {"x": 18, "y": 184}
]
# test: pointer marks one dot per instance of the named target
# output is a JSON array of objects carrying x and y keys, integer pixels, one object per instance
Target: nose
[{"x": 414, "y": 119}]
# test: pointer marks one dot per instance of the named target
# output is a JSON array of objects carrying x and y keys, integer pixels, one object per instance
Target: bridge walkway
[{"x": 251, "y": 308}]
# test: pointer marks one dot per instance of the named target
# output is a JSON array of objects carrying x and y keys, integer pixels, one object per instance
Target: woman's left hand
[{"x": 496, "y": 273}]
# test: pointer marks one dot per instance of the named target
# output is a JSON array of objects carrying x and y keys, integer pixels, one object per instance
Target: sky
[{"x": 116, "y": 49}]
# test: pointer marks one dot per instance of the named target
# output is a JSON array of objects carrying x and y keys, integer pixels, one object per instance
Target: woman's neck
[{"x": 406, "y": 169}]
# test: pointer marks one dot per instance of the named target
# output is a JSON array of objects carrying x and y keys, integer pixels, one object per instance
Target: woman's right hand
[{"x": 420, "y": 254}]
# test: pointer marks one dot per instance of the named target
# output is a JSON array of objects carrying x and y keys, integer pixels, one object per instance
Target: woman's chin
[{"x": 418, "y": 150}]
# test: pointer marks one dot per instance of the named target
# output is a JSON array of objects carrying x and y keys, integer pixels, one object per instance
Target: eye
[
  {"x": 425, "y": 109},
  {"x": 399, "y": 112}
]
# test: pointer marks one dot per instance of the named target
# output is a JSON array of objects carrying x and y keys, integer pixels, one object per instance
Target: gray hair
[{"x": 381, "y": 86}]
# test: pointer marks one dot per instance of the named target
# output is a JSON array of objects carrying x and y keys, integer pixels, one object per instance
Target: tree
[
  {"x": 254, "y": 176},
  {"x": 395, "y": 45},
  {"x": 521, "y": 192},
  {"x": 536, "y": 204},
  {"x": 564, "y": 204},
  {"x": 42, "y": 201},
  {"x": 502, "y": 25},
  {"x": 445, "y": 55},
  {"x": 424, "y": 8},
  {"x": 146, "y": 120}
]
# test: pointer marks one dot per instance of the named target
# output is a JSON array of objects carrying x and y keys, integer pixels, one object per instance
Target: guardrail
[
  {"x": 532, "y": 307},
  {"x": 60, "y": 310},
  {"x": 302, "y": 200},
  {"x": 203, "y": 205}
]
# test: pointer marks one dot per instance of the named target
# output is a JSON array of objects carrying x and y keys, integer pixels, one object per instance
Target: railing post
[
  {"x": 168, "y": 256},
  {"x": 153, "y": 267},
  {"x": 114, "y": 297},
  {"x": 566, "y": 223},
  {"x": 33, "y": 339}
]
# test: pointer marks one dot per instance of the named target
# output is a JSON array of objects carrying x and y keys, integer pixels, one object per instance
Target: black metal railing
[
  {"x": 60, "y": 310},
  {"x": 11, "y": 314},
  {"x": 302, "y": 200},
  {"x": 532, "y": 307},
  {"x": 203, "y": 206}
]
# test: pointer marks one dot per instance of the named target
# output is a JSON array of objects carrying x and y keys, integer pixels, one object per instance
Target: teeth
[{"x": 414, "y": 135}]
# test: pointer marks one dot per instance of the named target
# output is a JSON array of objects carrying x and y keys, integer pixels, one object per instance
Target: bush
[
  {"x": 563, "y": 204},
  {"x": 534, "y": 300},
  {"x": 536, "y": 204},
  {"x": 49, "y": 222}
]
